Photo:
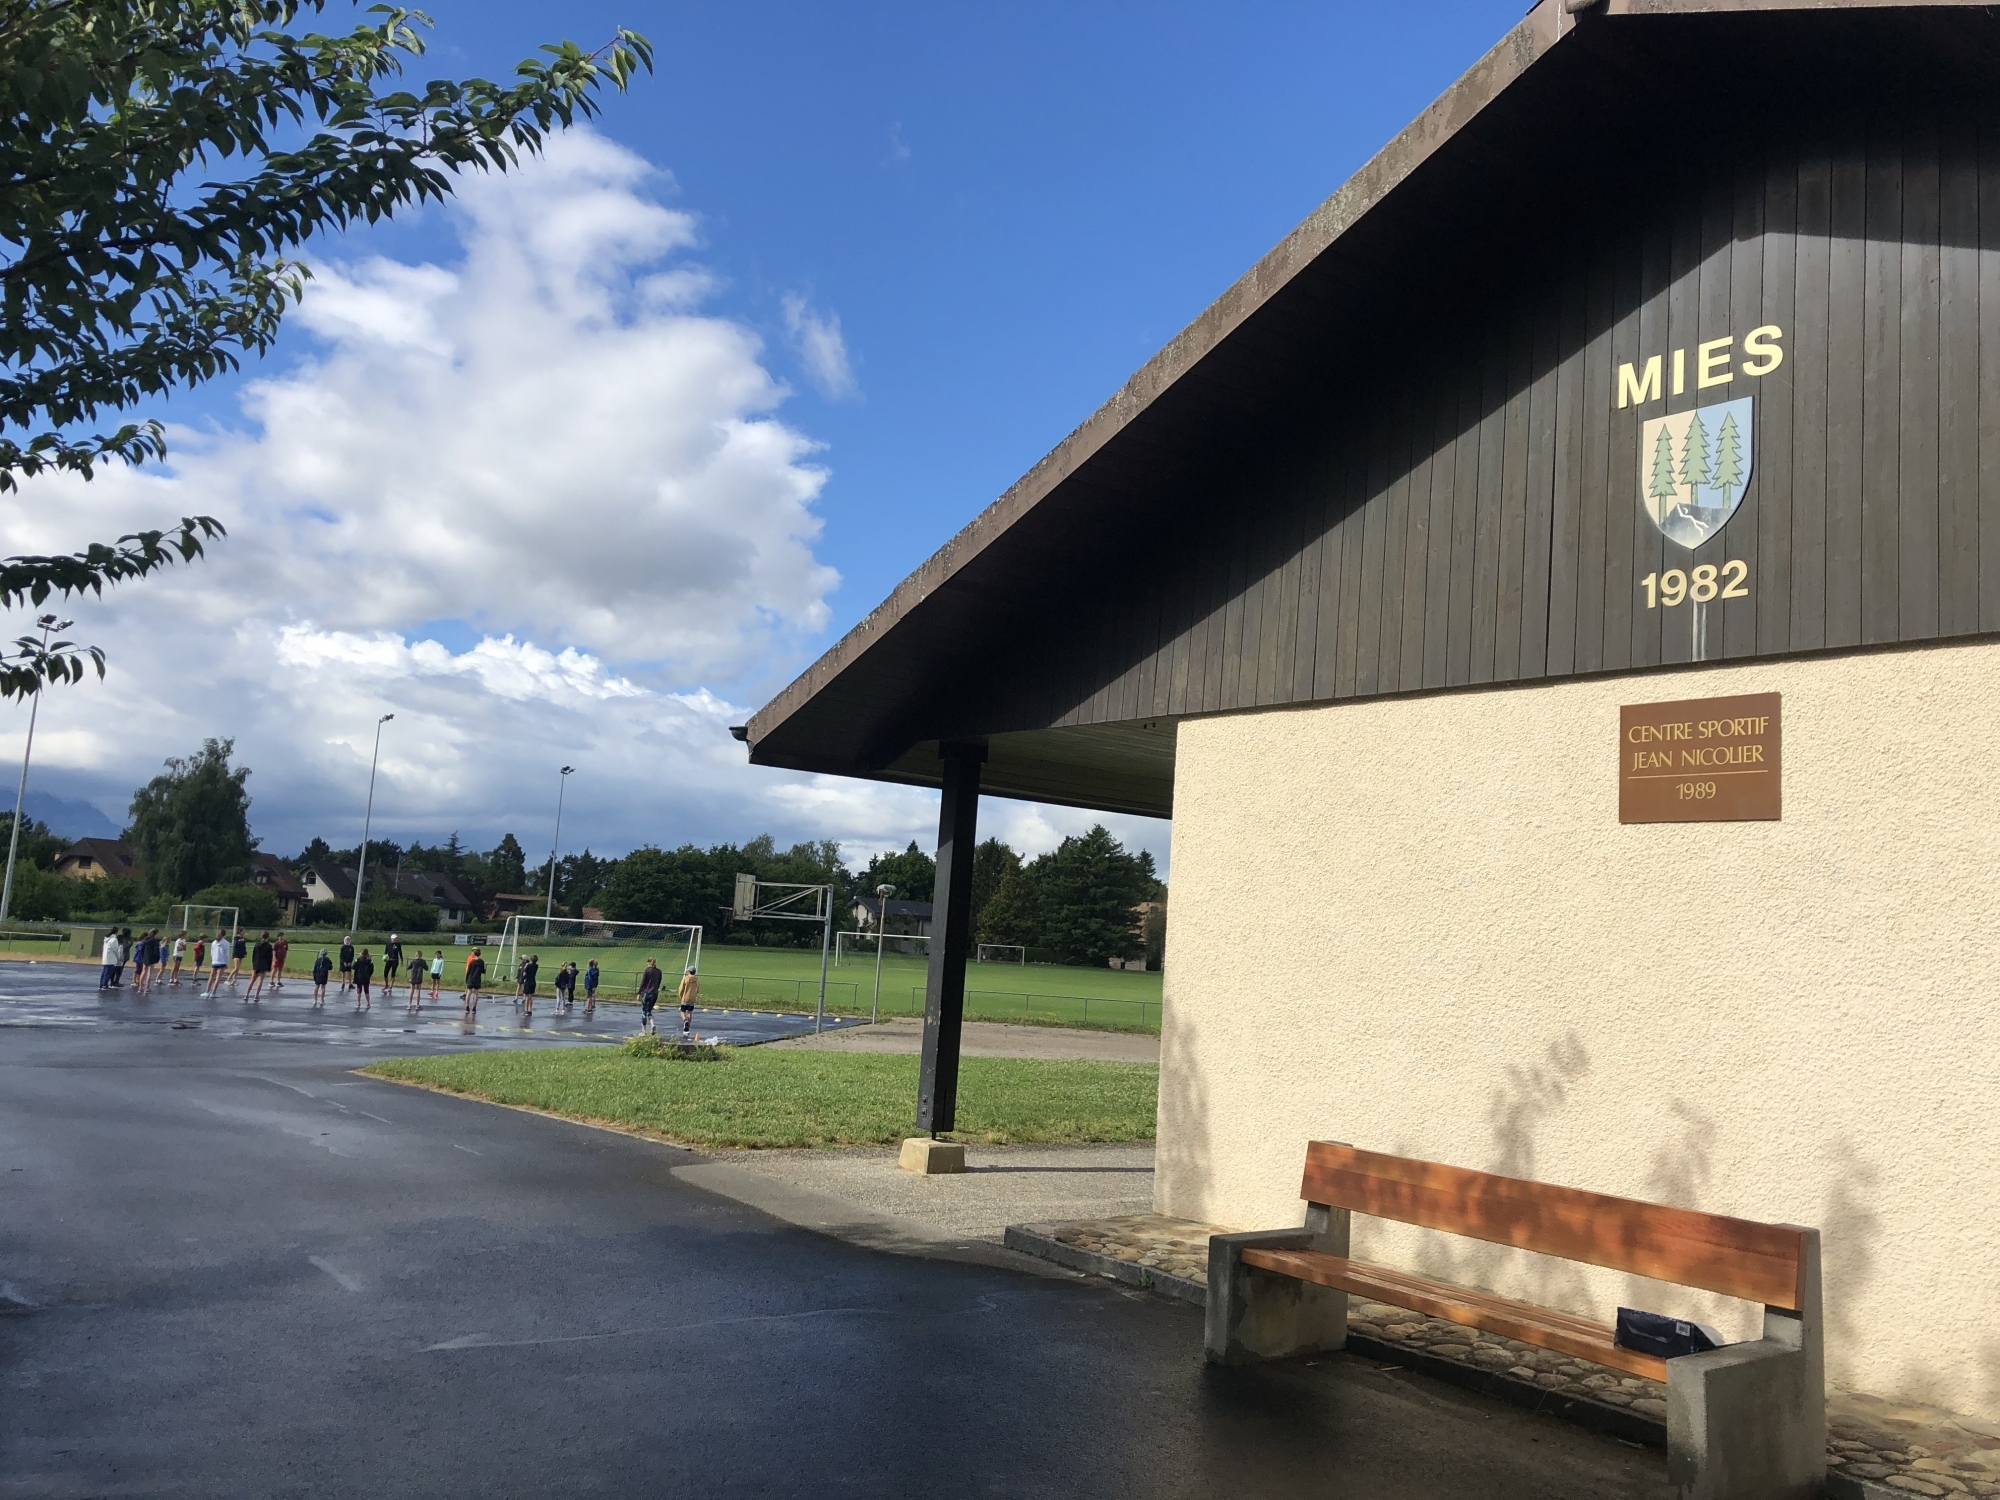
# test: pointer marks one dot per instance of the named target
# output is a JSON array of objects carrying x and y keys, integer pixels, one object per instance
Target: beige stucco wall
[{"x": 1418, "y": 926}]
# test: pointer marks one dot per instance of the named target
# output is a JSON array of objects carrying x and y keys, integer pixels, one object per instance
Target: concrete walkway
[{"x": 993, "y": 1039}]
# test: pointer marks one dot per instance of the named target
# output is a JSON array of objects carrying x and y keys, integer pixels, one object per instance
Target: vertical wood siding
[{"x": 1474, "y": 515}]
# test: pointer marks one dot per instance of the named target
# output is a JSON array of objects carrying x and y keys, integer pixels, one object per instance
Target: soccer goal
[
  {"x": 202, "y": 921},
  {"x": 859, "y": 947},
  {"x": 620, "y": 948},
  {"x": 1001, "y": 953}
]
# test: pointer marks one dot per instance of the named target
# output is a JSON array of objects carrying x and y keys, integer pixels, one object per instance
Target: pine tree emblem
[{"x": 1694, "y": 469}]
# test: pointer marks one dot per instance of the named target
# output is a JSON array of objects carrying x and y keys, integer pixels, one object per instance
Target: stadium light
[
  {"x": 367, "y": 818},
  {"x": 555, "y": 847},
  {"x": 48, "y": 623},
  {"x": 882, "y": 895}
]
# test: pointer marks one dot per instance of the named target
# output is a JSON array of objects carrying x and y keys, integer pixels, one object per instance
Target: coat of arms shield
[{"x": 1693, "y": 469}]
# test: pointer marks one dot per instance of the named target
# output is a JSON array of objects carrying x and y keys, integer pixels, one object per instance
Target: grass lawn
[{"x": 762, "y": 1097}]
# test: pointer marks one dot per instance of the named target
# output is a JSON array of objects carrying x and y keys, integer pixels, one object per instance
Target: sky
[{"x": 583, "y": 466}]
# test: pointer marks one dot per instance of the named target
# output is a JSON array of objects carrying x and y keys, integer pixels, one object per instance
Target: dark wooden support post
[{"x": 951, "y": 937}]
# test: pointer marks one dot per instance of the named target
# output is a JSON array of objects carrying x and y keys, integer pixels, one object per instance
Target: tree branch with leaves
[{"x": 160, "y": 160}]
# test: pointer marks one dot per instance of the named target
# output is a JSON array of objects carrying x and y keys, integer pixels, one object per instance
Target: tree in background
[
  {"x": 913, "y": 873},
  {"x": 132, "y": 264},
  {"x": 507, "y": 865},
  {"x": 1078, "y": 903},
  {"x": 1088, "y": 889},
  {"x": 315, "y": 853},
  {"x": 1012, "y": 914},
  {"x": 191, "y": 824},
  {"x": 992, "y": 861},
  {"x": 39, "y": 847},
  {"x": 667, "y": 885}
]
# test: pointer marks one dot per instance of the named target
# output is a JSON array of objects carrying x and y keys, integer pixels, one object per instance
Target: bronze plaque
[{"x": 1703, "y": 760}]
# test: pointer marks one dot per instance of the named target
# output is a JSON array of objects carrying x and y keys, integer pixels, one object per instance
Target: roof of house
[
  {"x": 275, "y": 875},
  {"x": 407, "y": 885},
  {"x": 113, "y": 854},
  {"x": 1574, "y": 97},
  {"x": 922, "y": 910}
]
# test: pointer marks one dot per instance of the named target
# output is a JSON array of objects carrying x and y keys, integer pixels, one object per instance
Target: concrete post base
[{"x": 931, "y": 1158}]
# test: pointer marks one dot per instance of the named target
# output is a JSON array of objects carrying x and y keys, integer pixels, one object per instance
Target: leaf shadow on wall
[{"x": 1517, "y": 1111}]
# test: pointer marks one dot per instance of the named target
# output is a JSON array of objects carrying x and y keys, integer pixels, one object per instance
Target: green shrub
[
  {"x": 255, "y": 906},
  {"x": 649, "y": 1044},
  {"x": 398, "y": 916}
]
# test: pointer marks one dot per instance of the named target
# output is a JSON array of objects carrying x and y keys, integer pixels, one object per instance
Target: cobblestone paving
[{"x": 1911, "y": 1449}]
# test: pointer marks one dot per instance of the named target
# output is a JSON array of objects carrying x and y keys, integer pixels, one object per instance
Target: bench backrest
[{"x": 1735, "y": 1257}]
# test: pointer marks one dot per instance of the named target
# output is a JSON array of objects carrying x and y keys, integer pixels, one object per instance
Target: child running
[
  {"x": 239, "y": 949},
  {"x": 364, "y": 971},
  {"x": 322, "y": 971}
]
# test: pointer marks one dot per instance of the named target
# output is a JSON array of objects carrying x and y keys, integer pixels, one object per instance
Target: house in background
[
  {"x": 269, "y": 873},
  {"x": 335, "y": 883},
  {"x": 93, "y": 859},
  {"x": 912, "y": 917}
]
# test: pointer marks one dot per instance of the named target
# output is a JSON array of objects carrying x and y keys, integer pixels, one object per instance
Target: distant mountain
[{"x": 68, "y": 818}]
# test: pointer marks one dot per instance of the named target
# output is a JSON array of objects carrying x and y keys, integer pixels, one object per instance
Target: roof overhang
[{"x": 1570, "y": 94}]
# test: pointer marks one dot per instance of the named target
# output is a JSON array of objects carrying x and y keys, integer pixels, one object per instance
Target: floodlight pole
[
  {"x": 548, "y": 911},
  {"x": 367, "y": 818},
  {"x": 882, "y": 895},
  {"x": 48, "y": 623}
]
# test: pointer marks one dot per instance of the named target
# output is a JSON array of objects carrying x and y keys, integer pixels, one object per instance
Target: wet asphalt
[{"x": 229, "y": 1267}]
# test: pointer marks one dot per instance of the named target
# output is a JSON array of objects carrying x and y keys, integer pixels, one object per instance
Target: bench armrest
[
  {"x": 1746, "y": 1422},
  {"x": 1255, "y": 1315}
]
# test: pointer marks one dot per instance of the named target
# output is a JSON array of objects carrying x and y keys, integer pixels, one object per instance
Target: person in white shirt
[{"x": 114, "y": 960}]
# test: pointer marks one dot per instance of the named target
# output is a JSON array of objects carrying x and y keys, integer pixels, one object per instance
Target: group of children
[
  {"x": 527, "y": 974},
  {"x": 150, "y": 956},
  {"x": 153, "y": 958},
  {"x": 357, "y": 972}
]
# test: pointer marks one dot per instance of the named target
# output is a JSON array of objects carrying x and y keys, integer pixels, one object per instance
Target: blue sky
[{"x": 915, "y": 246}]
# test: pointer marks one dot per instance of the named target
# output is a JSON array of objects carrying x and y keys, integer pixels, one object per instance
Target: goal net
[
  {"x": 619, "y": 949},
  {"x": 859, "y": 947},
  {"x": 201, "y": 921},
  {"x": 1001, "y": 953}
]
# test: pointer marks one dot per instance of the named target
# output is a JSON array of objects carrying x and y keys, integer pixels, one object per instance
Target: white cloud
[
  {"x": 528, "y": 501},
  {"x": 820, "y": 346}
]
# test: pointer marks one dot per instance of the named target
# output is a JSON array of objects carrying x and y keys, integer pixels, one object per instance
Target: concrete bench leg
[
  {"x": 1255, "y": 1315},
  {"x": 1748, "y": 1422}
]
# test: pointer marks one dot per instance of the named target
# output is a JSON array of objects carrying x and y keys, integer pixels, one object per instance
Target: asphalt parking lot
[{"x": 232, "y": 1268}]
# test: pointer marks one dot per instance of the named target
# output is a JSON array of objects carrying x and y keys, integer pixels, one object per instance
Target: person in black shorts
[
  {"x": 346, "y": 963},
  {"x": 649, "y": 994},
  {"x": 260, "y": 968},
  {"x": 475, "y": 975},
  {"x": 322, "y": 971},
  {"x": 364, "y": 970},
  {"x": 528, "y": 972},
  {"x": 416, "y": 979}
]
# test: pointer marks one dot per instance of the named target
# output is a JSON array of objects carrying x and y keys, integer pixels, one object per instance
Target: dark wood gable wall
[{"x": 1467, "y": 509}]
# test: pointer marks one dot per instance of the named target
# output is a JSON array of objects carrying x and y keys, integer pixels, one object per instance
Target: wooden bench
[{"x": 1747, "y": 1420}]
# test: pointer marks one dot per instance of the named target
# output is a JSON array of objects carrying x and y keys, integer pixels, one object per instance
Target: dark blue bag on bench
[{"x": 1658, "y": 1334}]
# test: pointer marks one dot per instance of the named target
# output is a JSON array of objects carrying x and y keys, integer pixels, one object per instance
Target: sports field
[{"x": 788, "y": 979}]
